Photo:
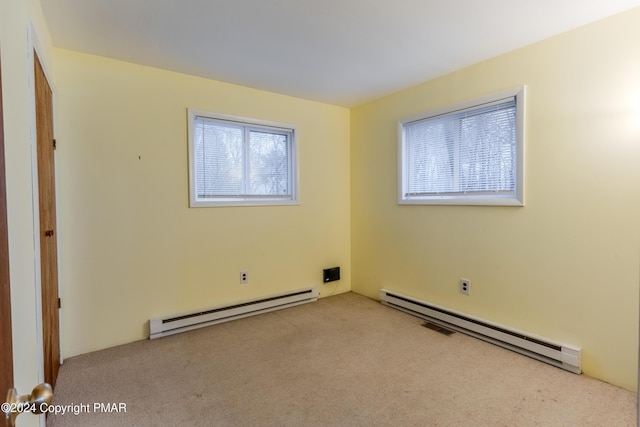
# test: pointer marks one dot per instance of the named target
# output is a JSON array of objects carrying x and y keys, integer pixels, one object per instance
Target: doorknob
[{"x": 36, "y": 402}]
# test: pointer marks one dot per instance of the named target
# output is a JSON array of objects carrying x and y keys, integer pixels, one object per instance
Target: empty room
[{"x": 320, "y": 213}]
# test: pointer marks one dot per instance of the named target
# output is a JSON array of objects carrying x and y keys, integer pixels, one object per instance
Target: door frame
[
  {"x": 34, "y": 48},
  {"x": 46, "y": 213}
]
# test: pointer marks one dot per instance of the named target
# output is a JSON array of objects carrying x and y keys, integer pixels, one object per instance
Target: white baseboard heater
[
  {"x": 169, "y": 325},
  {"x": 549, "y": 351}
]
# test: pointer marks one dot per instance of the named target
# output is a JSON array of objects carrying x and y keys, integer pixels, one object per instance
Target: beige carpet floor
[{"x": 342, "y": 361}]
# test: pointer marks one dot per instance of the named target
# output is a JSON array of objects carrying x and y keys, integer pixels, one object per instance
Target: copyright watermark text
[{"x": 73, "y": 408}]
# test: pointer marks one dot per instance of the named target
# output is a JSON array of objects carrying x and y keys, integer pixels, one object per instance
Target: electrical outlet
[
  {"x": 464, "y": 286},
  {"x": 244, "y": 277}
]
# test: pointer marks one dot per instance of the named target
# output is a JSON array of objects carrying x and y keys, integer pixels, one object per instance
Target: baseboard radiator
[
  {"x": 555, "y": 353},
  {"x": 169, "y": 325}
]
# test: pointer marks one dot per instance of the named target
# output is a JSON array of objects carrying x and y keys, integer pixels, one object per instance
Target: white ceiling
[{"x": 342, "y": 52}]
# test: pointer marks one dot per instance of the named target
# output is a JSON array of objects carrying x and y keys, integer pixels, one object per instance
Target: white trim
[
  {"x": 479, "y": 199},
  {"x": 244, "y": 121},
  {"x": 32, "y": 45}
]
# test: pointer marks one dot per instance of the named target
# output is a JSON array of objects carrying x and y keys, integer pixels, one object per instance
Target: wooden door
[
  {"x": 48, "y": 232},
  {"x": 6, "y": 347}
]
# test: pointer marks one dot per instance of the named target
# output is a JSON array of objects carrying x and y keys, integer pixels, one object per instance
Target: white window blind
[
  {"x": 466, "y": 155},
  {"x": 235, "y": 162}
]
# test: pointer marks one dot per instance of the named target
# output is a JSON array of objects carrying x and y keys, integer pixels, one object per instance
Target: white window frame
[
  {"x": 460, "y": 198},
  {"x": 242, "y": 199}
]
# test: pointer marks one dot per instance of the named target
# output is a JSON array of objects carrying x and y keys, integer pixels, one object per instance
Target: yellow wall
[
  {"x": 22, "y": 28},
  {"x": 565, "y": 266},
  {"x": 131, "y": 248}
]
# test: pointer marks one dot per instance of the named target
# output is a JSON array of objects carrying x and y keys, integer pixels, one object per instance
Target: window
[
  {"x": 237, "y": 161},
  {"x": 471, "y": 154}
]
